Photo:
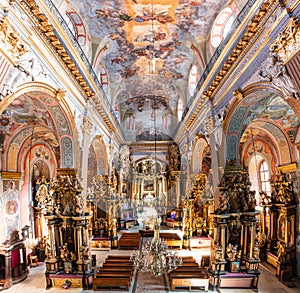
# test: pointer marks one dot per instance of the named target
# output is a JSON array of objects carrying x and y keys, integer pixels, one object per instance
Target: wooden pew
[
  {"x": 191, "y": 283},
  {"x": 189, "y": 279},
  {"x": 116, "y": 269},
  {"x": 188, "y": 269},
  {"x": 190, "y": 264},
  {"x": 112, "y": 256},
  {"x": 113, "y": 274},
  {"x": 121, "y": 260},
  {"x": 117, "y": 263},
  {"x": 129, "y": 241},
  {"x": 171, "y": 239},
  {"x": 111, "y": 282}
]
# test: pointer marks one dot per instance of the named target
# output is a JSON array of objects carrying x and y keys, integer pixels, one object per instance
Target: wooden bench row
[
  {"x": 116, "y": 273},
  {"x": 129, "y": 241},
  {"x": 189, "y": 275}
]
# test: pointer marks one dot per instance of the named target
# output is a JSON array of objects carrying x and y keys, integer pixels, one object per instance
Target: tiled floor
[{"x": 146, "y": 282}]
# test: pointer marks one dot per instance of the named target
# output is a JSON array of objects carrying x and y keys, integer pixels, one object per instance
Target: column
[
  {"x": 86, "y": 130},
  {"x": 215, "y": 151}
]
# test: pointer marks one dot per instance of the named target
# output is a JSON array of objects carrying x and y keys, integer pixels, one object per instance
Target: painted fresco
[
  {"x": 148, "y": 50},
  {"x": 139, "y": 30},
  {"x": 276, "y": 109}
]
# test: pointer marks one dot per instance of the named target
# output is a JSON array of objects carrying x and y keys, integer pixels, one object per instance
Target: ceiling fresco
[
  {"x": 148, "y": 36},
  {"x": 148, "y": 50}
]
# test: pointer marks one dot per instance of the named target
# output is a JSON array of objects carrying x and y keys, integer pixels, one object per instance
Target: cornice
[
  {"x": 11, "y": 45},
  {"x": 48, "y": 33},
  {"x": 287, "y": 43}
]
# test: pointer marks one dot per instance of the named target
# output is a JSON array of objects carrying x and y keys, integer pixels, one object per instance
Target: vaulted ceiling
[{"x": 149, "y": 47}]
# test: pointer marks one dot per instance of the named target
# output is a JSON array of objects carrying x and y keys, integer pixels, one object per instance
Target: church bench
[
  {"x": 114, "y": 260},
  {"x": 117, "y": 264},
  {"x": 171, "y": 239},
  {"x": 111, "y": 282},
  {"x": 187, "y": 269},
  {"x": 113, "y": 274},
  {"x": 190, "y": 264},
  {"x": 191, "y": 279},
  {"x": 116, "y": 269},
  {"x": 190, "y": 282},
  {"x": 129, "y": 243},
  {"x": 112, "y": 256}
]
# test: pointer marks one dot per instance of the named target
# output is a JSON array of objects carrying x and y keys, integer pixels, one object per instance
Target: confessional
[{"x": 13, "y": 262}]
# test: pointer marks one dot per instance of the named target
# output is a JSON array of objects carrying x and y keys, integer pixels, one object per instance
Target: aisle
[{"x": 147, "y": 283}]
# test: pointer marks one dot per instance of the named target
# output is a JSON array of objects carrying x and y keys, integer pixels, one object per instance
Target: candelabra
[{"x": 154, "y": 256}]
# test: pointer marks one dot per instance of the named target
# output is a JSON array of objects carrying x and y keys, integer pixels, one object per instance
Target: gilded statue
[
  {"x": 217, "y": 253},
  {"x": 256, "y": 250},
  {"x": 224, "y": 204},
  {"x": 280, "y": 252},
  {"x": 64, "y": 253},
  {"x": 231, "y": 251}
]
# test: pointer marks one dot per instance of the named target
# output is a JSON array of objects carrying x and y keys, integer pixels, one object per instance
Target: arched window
[
  {"x": 104, "y": 79},
  {"x": 179, "y": 109},
  {"x": 264, "y": 176},
  {"x": 221, "y": 26},
  {"x": 193, "y": 79},
  {"x": 259, "y": 174},
  {"x": 76, "y": 25}
]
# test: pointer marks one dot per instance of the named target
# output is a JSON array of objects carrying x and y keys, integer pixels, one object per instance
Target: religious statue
[
  {"x": 64, "y": 253},
  {"x": 256, "y": 250},
  {"x": 231, "y": 251},
  {"x": 217, "y": 253},
  {"x": 280, "y": 252},
  {"x": 277, "y": 74},
  {"x": 48, "y": 251},
  {"x": 265, "y": 198},
  {"x": 84, "y": 252},
  {"x": 224, "y": 205}
]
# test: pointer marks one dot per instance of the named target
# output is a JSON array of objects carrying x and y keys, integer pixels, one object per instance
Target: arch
[
  {"x": 37, "y": 113},
  {"x": 98, "y": 159},
  {"x": 198, "y": 154},
  {"x": 262, "y": 107}
]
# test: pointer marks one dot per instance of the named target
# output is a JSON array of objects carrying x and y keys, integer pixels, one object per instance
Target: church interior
[{"x": 150, "y": 142}]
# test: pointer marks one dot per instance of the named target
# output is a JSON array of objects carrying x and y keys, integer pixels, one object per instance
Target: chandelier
[{"x": 154, "y": 256}]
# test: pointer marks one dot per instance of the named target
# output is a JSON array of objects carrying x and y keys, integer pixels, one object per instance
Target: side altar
[
  {"x": 68, "y": 257},
  {"x": 235, "y": 254}
]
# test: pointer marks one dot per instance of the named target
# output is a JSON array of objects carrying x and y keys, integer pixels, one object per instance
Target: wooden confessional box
[{"x": 13, "y": 263}]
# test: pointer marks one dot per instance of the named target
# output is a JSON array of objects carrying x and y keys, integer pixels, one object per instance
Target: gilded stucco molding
[
  {"x": 11, "y": 45},
  {"x": 287, "y": 43},
  {"x": 46, "y": 29},
  {"x": 60, "y": 94},
  {"x": 87, "y": 125}
]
